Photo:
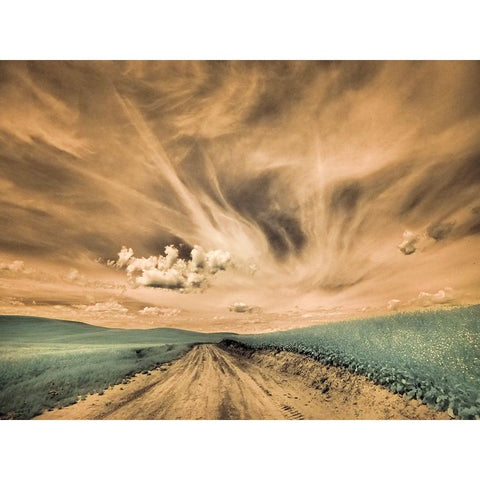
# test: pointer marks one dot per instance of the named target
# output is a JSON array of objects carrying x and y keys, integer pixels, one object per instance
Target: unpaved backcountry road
[{"x": 214, "y": 382}]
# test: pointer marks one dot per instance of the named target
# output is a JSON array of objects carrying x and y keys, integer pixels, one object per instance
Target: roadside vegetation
[
  {"x": 433, "y": 356},
  {"x": 52, "y": 363}
]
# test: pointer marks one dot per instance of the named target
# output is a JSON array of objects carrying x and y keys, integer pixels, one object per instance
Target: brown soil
[{"x": 216, "y": 382}]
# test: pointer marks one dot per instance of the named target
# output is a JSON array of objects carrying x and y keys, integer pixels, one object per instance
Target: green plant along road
[
  {"x": 433, "y": 356},
  {"x": 47, "y": 363}
]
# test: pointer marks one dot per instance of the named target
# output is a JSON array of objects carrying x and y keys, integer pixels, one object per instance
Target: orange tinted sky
[{"x": 311, "y": 171}]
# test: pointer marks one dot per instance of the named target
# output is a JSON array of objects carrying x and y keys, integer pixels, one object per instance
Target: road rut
[{"x": 214, "y": 382}]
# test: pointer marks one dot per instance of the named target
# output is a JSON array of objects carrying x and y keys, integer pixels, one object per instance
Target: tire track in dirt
[{"x": 219, "y": 382}]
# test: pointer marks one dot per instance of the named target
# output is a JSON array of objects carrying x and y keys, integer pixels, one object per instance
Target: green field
[
  {"x": 50, "y": 363},
  {"x": 433, "y": 356}
]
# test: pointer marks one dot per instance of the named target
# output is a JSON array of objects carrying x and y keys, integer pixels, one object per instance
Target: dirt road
[{"x": 213, "y": 382}]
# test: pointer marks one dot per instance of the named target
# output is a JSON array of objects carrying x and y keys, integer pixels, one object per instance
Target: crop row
[{"x": 432, "y": 356}]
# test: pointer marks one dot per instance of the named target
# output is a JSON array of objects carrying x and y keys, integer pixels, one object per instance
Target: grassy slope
[
  {"x": 433, "y": 356},
  {"x": 46, "y": 363}
]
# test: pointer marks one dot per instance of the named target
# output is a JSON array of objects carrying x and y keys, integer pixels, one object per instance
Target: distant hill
[{"x": 47, "y": 363}]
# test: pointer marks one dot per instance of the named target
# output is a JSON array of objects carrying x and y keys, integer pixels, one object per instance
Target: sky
[{"x": 240, "y": 196}]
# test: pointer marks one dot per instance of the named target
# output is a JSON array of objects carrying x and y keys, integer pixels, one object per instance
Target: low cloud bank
[
  {"x": 159, "y": 311},
  {"x": 394, "y": 304},
  {"x": 171, "y": 272},
  {"x": 241, "y": 307},
  {"x": 112, "y": 306},
  {"x": 15, "y": 267},
  {"x": 444, "y": 296}
]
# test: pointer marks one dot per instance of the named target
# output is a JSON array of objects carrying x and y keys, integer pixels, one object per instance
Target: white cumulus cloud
[
  {"x": 241, "y": 307},
  {"x": 124, "y": 255},
  {"x": 171, "y": 272},
  {"x": 218, "y": 260},
  {"x": 445, "y": 295},
  {"x": 408, "y": 245},
  {"x": 154, "y": 277}
]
